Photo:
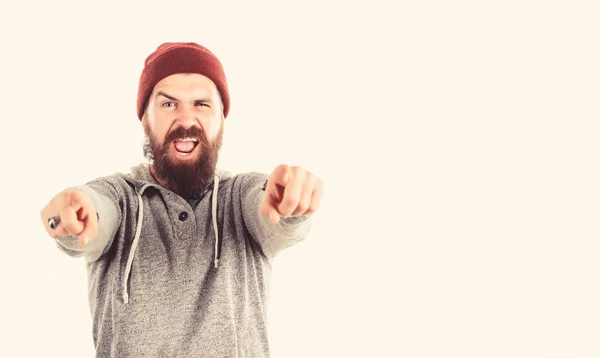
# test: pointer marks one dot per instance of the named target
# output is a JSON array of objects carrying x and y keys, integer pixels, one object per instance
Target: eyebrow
[{"x": 161, "y": 93}]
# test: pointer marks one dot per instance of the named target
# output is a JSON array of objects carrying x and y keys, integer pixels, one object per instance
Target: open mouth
[{"x": 185, "y": 146}]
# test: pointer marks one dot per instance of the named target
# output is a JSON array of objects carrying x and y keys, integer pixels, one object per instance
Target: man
[{"x": 178, "y": 253}]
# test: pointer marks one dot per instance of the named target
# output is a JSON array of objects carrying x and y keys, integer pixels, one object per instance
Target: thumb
[
  {"x": 268, "y": 209},
  {"x": 90, "y": 229}
]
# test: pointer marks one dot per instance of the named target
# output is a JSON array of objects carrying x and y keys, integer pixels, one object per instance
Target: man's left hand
[{"x": 291, "y": 191}]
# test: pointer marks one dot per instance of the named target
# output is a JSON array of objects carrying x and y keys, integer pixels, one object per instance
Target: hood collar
[{"x": 141, "y": 178}]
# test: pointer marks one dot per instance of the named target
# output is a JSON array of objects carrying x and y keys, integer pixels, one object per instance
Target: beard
[{"x": 189, "y": 177}]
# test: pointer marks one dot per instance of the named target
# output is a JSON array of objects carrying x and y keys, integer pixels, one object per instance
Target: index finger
[
  {"x": 280, "y": 175},
  {"x": 90, "y": 227},
  {"x": 292, "y": 192},
  {"x": 76, "y": 199},
  {"x": 85, "y": 215}
]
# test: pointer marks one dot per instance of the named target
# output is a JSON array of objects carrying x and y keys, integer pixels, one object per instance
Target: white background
[{"x": 458, "y": 141}]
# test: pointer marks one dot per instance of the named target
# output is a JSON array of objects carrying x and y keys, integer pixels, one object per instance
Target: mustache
[{"x": 181, "y": 132}]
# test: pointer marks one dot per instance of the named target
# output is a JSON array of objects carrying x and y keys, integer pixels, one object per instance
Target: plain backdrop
[{"x": 458, "y": 142}]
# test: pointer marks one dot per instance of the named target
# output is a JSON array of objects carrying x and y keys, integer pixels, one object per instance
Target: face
[{"x": 183, "y": 123}]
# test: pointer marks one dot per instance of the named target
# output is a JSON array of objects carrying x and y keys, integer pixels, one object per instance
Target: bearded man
[{"x": 179, "y": 253}]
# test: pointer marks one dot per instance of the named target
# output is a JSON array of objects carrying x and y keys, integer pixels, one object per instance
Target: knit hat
[{"x": 180, "y": 57}]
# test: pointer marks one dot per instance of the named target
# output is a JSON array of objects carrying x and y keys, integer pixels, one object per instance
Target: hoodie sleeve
[
  {"x": 104, "y": 197},
  {"x": 272, "y": 238}
]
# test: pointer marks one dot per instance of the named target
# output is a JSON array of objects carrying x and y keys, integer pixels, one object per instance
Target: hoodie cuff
[{"x": 108, "y": 215}]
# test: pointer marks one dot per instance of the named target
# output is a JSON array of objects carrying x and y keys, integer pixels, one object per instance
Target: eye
[
  {"x": 202, "y": 104},
  {"x": 168, "y": 104}
]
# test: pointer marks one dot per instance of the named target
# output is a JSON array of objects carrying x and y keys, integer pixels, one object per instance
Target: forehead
[{"x": 186, "y": 83}]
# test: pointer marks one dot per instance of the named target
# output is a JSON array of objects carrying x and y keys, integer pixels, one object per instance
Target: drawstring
[
  {"x": 138, "y": 231},
  {"x": 214, "y": 219},
  {"x": 136, "y": 238}
]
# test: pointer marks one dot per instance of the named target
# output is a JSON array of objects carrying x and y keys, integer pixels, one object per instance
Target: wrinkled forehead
[{"x": 187, "y": 86}]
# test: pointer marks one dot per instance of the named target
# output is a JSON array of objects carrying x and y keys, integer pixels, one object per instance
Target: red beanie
[{"x": 180, "y": 57}]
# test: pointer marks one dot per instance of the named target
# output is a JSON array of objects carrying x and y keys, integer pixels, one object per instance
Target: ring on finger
[{"x": 53, "y": 222}]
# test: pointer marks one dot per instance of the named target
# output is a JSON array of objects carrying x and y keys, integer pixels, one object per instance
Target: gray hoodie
[{"x": 166, "y": 280}]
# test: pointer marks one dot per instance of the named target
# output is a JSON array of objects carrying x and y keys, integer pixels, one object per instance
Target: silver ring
[{"x": 53, "y": 222}]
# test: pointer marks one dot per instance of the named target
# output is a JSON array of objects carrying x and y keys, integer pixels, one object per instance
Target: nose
[{"x": 187, "y": 118}]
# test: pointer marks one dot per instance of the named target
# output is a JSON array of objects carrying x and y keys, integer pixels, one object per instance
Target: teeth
[{"x": 188, "y": 139}]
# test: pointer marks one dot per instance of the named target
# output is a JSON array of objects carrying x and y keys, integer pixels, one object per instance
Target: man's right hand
[{"x": 77, "y": 215}]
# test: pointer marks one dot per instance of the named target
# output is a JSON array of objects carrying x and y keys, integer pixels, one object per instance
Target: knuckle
[
  {"x": 56, "y": 202},
  {"x": 302, "y": 206},
  {"x": 298, "y": 171},
  {"x": 318, "y": 184},
  {"x": 290, "y": 201},
  {"x": 74, "y": 195},
  {"x": 283, "y": 168},
  {"x": 61, "y": 197},
  {"x": 310, "y": 184}
]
